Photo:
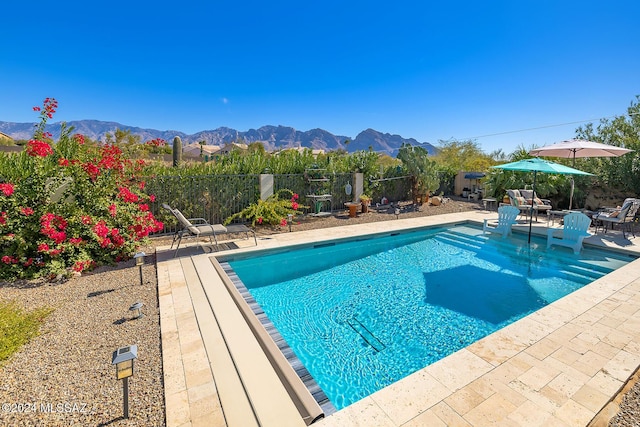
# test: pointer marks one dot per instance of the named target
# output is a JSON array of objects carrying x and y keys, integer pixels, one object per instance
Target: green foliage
[
  {"x": 455, "y": 156},
  {"x": 272, "y": 211},
  {"x": 177, "y": 151},
  {"x": 68, "y": 206},
  {"x": 17, "y": 327},
  {"x": 622, "y": 131}
]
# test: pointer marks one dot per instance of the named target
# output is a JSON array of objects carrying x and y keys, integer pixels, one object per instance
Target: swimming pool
[{"x": 358, "y": 322}]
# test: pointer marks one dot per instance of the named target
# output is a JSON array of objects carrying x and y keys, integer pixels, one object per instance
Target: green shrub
[
  {"x": 272, "y": 211},
  {"x": 17, "y": 327}
]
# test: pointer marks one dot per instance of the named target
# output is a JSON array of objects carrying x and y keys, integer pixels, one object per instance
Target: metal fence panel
[
  {"x": 212, "y": 197},
  {"x": 217, "y": 197}
]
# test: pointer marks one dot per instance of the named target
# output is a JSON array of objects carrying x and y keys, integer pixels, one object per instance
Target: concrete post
[
  {"x": 358, "y": 185},
  {"x": 266, "y": 186}
]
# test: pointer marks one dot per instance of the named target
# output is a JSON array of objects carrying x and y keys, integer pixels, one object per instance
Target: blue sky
[{"x": 421, "y": 69}]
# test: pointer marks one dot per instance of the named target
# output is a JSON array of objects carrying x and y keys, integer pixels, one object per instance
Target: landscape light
[
  {"x": 123, "y": 359},
  {"x": 290, "y": 221},
  {"x": 137, "y": 309},
  {"x": 139, "y": 257}
]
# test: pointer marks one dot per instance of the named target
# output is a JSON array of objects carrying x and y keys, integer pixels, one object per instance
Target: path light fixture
[
  {"x": 137, "y": 310},
  {"x": 139, "y": 257},
  {"x": 397, "y": 212},
  {"x": 123, "y": 359},
  {"x": 290, "y": 221}
]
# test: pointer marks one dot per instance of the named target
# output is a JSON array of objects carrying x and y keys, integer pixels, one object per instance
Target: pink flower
[
  {"x": 7, "y": 189},
  {"x": 37, "y": 148},
  {"x": 101, "y": 229},
  {"x": 260, "y": 220},
  {"x": 112, "y": 210},
  {"x": 7, "y": 259},
  {"x": 92, "y": 170},
  {"x": 79, "y": 138},
  {"x": 26, "y": 211},
  {"x": 76, "y": 240},
  {"x": 294, "y": 197},
  {"x": 43, "y": 247},
  {"x": 36, "y": 108},
  {"x": 294, "y": 206},
  {"x": 63, "y": 162},
  {"x": 152, "y": 198},
  {"x": 86, "y": 219},
  {"x": 126, "y": 195},
  {"x": 283, "y": 222}
]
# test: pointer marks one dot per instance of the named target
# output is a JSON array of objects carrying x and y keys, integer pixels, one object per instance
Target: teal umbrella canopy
[
  {"x": 536, "y": 165},
  {"x": 539, "y": 165}
]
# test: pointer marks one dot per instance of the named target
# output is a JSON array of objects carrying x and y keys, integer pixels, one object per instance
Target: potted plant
[{"x": 366, "y": 202}]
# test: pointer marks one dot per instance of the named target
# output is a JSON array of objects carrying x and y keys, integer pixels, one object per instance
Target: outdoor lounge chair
[
  {"x": 540, "y": 205},
  {"x": 200, "y": 227},
  {"x": 518, "y": 201},
  {"x": 623, "y": 216},
  {"x": 572, "y": 233},
  {"x": 506, "y": 218}
]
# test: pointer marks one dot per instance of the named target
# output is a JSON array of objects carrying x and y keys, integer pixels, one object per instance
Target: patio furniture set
[{"x": 575, "y": 223}]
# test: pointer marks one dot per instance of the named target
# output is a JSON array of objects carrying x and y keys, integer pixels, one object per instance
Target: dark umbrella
[{"x": 536, "y": 165}]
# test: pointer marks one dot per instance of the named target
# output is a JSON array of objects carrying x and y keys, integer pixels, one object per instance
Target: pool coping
[{"x": 558, "y": 366}]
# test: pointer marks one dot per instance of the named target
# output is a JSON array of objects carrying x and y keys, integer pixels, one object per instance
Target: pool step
[
  {"x": 460, "y": 240},
  {"x": 577, "y": 270}
]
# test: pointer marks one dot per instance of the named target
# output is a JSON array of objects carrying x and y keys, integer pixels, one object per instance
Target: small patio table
[
  {"x": 552, "y": 214},
  {"x": 488, "y": 202}
]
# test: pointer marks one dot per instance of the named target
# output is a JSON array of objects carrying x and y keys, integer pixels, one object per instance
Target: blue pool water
[{"x": 361, "y": 315}]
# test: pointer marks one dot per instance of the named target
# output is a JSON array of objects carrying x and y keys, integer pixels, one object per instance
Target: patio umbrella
[
  {"x": 536, "y": 165},
  {"x": 578, "y": 148}
]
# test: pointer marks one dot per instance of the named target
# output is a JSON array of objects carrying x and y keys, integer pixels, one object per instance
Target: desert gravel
[{"x": 64, "y": 376}]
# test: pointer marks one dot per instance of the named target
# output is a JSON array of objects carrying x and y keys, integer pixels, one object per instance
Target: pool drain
[{"x": 366, "y": 334}]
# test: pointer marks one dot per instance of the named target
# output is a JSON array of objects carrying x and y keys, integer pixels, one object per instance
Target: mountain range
[{"x": 272, "y": 137}]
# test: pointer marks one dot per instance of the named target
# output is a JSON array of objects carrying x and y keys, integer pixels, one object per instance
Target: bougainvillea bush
[
  {"x": 272, "y": 211},
  {"x": 67, "y": 206}
]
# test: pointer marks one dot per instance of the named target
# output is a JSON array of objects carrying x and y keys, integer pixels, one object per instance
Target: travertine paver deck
[{"x": 556, "y": 367}]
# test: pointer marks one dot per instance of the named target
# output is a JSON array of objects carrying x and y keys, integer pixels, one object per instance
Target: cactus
[{"x": 177, "y": 151}]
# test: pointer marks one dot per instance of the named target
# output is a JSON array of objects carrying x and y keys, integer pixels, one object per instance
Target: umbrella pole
[
  {"x": 535, "y": 173},
  {"x": 571, "y": 196},
  {"x": 573, "y": 164}
]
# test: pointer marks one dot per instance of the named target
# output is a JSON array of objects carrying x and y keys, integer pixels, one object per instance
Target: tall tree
[
  {"x": 455, "y": 156},
  {"x": 623, "y": 131}
]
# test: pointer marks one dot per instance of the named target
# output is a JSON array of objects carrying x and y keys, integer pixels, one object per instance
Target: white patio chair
[
  {"x": 506, "y": 218},
  {"x": 572, "y": 233}
]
